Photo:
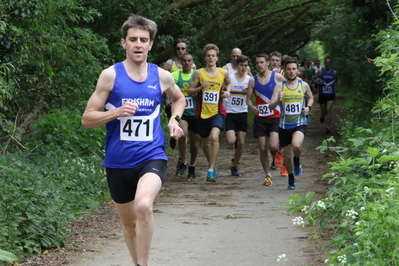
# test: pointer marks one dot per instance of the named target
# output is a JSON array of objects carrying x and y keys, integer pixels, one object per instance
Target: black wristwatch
[
  {"x": 178, "y": 119},
  {"x": 310, "y": 108}
]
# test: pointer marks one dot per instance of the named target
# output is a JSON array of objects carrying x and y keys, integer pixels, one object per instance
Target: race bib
[
  {"x": 264, "y": 110},
  {"x": 137, "y": 128},
  {"x": 237, "y": 101},
  {"x": 189, "y": 103},
  {"x": 327, "y": 89},
  {"x": 293, "y": 108},
  {"x": 211, "y": 97}
]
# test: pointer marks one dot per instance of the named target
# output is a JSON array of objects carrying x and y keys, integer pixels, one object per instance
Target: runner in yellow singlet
[{"x": 207, "y": 84}]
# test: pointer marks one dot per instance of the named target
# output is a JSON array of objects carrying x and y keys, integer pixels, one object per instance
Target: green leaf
[{"x": 7, "y": 256}]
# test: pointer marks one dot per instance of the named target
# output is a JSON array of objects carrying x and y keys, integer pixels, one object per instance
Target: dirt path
[{"x": 235, "y": 221}]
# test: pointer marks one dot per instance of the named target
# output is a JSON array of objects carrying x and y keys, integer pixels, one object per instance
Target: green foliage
[
  {"x": 363, "y": 200},
  {"x": 7, "y": 256},
  {"x": 62, "y": 129},
  {"x": 41, "y": 194}
]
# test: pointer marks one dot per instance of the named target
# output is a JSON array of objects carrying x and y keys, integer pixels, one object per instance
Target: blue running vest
[{"x": 132, "y": 141}]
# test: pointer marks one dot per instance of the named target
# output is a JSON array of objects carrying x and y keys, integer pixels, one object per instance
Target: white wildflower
[
  {"x": 362, "y": 209},
  {"x": 326, "y": 261},
  {"x": 342, "y": 259},
  {"x": 305, "y": 208},
  {"x": 298, "y": 221},
  {"x": 321, "y": 205},
  {"x": 366, "y": 188},
  {"x": 351, "y": 214},
  {"x": 282, "y": 256}
]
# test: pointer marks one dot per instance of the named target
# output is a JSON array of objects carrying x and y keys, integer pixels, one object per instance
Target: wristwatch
[
  {"x": 178, "y": 119},
  {"x": 310, "y": 108}
]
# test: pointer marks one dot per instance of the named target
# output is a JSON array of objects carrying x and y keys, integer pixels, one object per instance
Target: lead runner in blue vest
[{"x": 130, "y": 92}]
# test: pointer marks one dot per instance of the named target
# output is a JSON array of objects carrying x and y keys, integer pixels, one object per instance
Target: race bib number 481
[
  {"x": 137, "y": 128},
  {"x": 293, "y": 108}
]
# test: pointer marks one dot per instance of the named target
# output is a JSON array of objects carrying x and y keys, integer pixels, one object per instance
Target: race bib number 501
[{"x": 137, "y": 128}]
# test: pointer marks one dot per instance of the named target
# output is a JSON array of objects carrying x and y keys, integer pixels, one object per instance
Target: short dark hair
[
  {"x": 290, "y": 60},
  {"x": 182, "y": 40},
  {"x": 242, "y": 59},
  {"x": 139, "y": 22},
  {"x": 264, "y": 56}
]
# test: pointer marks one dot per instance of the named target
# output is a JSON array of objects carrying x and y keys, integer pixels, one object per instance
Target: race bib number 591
[{"x": 139, "y": 128}]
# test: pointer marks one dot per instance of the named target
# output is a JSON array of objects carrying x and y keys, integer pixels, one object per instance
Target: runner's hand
[{"x": 128, "y": 109}]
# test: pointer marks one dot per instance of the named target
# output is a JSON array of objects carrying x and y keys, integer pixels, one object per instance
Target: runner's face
[
  {"x": 234, "y": 55},
  {"x": 137, "y": 44},
  {"x": 275, "y": 62},
  {"x": 181, "y": 49},
  {"x": 243, "y": 68},
  {"x": 211, "y": 58},
  {"x": 308, "y": 62},
  {"x": 328, "y": 64},
  {"x": 291, "y": 71},
  {"x": 187, "y": 63},
  {"x": 261, "y": 64}
]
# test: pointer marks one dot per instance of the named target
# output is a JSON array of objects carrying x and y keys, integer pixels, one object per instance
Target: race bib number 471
[{"x": 137, "y": 128}]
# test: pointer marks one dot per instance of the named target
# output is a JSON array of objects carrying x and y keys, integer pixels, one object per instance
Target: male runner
[
  {"x": 237, "y": 111},
  {"x": 266, "y": 120},
  {"x": 181, "y": 47},
  {"x": 296, "y": 101},
  {"x": 135, "y": 160},
  {"x": 326, "y": 79},
  {"x": 183, "y": 79},
  {"x": 232, "y": 67},
  {"x": 207, "y": 84}
]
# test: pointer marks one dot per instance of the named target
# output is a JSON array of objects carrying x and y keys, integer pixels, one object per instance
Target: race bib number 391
[
  {"x": 211, "y": 97},
  {"x": 139, "y": 128}
]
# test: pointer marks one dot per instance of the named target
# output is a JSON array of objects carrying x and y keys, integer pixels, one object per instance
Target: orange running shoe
[
  {"x": 279, "y": 159},
  {"x": 283, "y": 171}
]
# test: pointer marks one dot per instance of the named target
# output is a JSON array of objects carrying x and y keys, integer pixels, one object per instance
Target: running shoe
[
  {"x": 191, "y": 173},
  {"x": 273, "y": 165},
  {"x": 234, "y": 171},
  {"x": 283, "y": 171},
  {"x": 279, "y": 159},
  {"x": 211, "y": 176},
  {"x": 181, "y": 169},
  {"x": 297, "y": 169},
  {"x": 291, "y": 182},
  {"x": 268, "y": 180}
]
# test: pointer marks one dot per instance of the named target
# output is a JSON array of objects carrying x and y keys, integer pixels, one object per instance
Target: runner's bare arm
[
  {"x": 227, "y": 84},
  {"x": 309, "y": 98},
  {"x": 93, "y": 115},
  {"x": 337, "y": 79},
  {"x": 194, "y": 88},
  {"x": 168, "y": 65},
  {"x": 178, "y": 101},
  {"x": 277, "y": 96},
  {"x": 250, "y": 91}
]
